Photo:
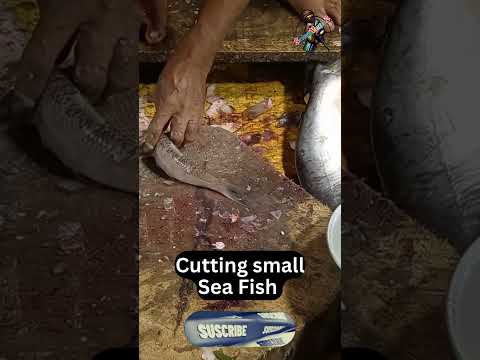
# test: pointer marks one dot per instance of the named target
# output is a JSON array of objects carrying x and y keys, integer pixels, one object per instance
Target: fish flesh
[
  {"x": 98, "y": 142},
  {"x": 425, "y": 123},
  {"x": 173, "y": 162},
  {"x": 318, "y": 149},
  {"x": 256, "y": 110}
]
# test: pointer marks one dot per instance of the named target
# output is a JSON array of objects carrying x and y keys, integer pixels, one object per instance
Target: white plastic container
[{"x": 334, "y": 236}]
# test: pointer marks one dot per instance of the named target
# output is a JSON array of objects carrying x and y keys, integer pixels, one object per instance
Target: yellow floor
[{"x": 26, "y": 12}]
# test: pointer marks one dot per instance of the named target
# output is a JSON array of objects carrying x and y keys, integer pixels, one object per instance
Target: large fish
[
  {"x": 425, "y": 116},
  {"x": 97, "y": 142},
  {"x": 318, "y": 150}
]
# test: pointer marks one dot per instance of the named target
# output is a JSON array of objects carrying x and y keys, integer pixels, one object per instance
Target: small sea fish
[
  {"x": 172, "y": 161},
  {"x": 99, "y": 142}
]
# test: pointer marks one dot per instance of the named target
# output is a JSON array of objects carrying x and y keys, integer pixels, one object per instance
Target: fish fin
[
  {"x": 177, "y": 150},
  {"x": 230, "y": 191},
  {"x": 234, "y": 193}
]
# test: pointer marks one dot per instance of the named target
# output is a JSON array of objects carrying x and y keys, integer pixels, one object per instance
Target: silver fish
[
  {"x": 425, "y": 116},
  {"x": 172, "y": 161},
  {"x": 97, "y": 142},
  {"x": 318, "y": 150}
]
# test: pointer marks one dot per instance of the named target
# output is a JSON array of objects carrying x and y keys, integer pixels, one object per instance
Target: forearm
[
  {"x": 216, "y": 19},
  {"x": 301, "y": 5}
]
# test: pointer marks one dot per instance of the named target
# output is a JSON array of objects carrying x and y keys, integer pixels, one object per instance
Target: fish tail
[{"x": 230, "y": 191}]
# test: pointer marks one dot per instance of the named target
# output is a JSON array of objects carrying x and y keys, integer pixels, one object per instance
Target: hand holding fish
[
  {"x": 180, "y": 95},
  {"x": 179, "y": 98},
  {"x": 102, "y": 35}
]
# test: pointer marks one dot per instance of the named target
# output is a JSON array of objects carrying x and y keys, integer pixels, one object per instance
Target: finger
[
  {"x": 328, "y": 23},
  {"x": 155, "y": 129},
  {"x": 94, "y": 51},
  {"x": 156, "y": 20},
  {"x": 178, "y": 128},
  {"x": 192, "y": 131},
  {"x": 336, "y": 14},
  {"x": 123, "y": 72},
  {"x": 39, "y": 57}
]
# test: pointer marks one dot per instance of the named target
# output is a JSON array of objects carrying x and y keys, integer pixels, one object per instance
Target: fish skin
[
  {"x": 95, "y": 142},
  {"x": 318, "y": 149},
  {"x": 424, "y": 117},
  {"x": 101, "y": 142},
  {"x": 172, "y": 161}
]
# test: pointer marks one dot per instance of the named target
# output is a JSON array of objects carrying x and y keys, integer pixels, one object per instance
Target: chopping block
[
  {"x": 396, "y": 276},
  {"x": 176, "y": 217}
]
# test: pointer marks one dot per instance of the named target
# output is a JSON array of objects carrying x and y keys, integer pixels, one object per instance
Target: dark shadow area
[
  {"x": 28, "y": 141},
  {"x": 69, "y": 247},
  {"x": 360, "y": 354},
  {"x": 320, "y": 338},
  {"x": 118, "y": 354}
]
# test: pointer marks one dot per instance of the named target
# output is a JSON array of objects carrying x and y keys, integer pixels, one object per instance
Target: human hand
[
  {"x": 155, "y": 17},
  {"x": 103, "y": 35},
  {"x": 179, "y": 98}
]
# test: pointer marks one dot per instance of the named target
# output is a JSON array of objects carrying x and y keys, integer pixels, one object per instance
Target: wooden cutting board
[
  {"x": 178, "y": 217},
  {"x": 395, "y": 278}
]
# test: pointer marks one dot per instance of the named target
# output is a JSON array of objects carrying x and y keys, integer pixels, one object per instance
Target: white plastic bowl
[{"x": 334, "y": 236}]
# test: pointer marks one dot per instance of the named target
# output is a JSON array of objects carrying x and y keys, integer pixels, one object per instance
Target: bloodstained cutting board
[
  {"x": 395, "y": 278},
  {"x": 178, "y": 217}
]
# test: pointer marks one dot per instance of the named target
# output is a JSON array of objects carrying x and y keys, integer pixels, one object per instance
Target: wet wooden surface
[
  {"x": 395, "y": 278},
  {"x": 263, "y": 33},
  {"x": 68, "y": 280},
  {"x": 177, "y": 217}
]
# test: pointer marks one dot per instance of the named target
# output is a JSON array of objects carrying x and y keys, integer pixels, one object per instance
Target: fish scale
[
  {"x": 176, "y": 165},
  {"x": 318, "y": 150},
  {"x": 98, "y": 142}
]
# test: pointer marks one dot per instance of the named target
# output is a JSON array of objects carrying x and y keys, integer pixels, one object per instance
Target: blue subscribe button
[{"x": 240, "y": 329}]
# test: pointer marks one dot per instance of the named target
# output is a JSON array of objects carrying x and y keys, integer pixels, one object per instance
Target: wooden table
[{"x": 264, "y": 33}]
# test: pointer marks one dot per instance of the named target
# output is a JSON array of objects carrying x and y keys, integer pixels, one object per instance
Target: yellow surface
[
  {"x": 26, "y": 12},
  {"x": 243, "y": 95}
]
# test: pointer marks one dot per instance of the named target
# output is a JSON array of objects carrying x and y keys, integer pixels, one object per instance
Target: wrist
[{"x": 199, "y": 49}]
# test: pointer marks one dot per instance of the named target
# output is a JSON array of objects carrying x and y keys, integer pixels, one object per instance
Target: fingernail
[{"x": 147, "y": 148}]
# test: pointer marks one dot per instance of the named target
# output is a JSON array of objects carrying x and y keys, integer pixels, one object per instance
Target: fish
[
  {"x": 318, "y": 149},
  {"x": 99, "y": 142},
  {"x": 424, "y": 117},
  {"x": 176, "y": 165}
]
